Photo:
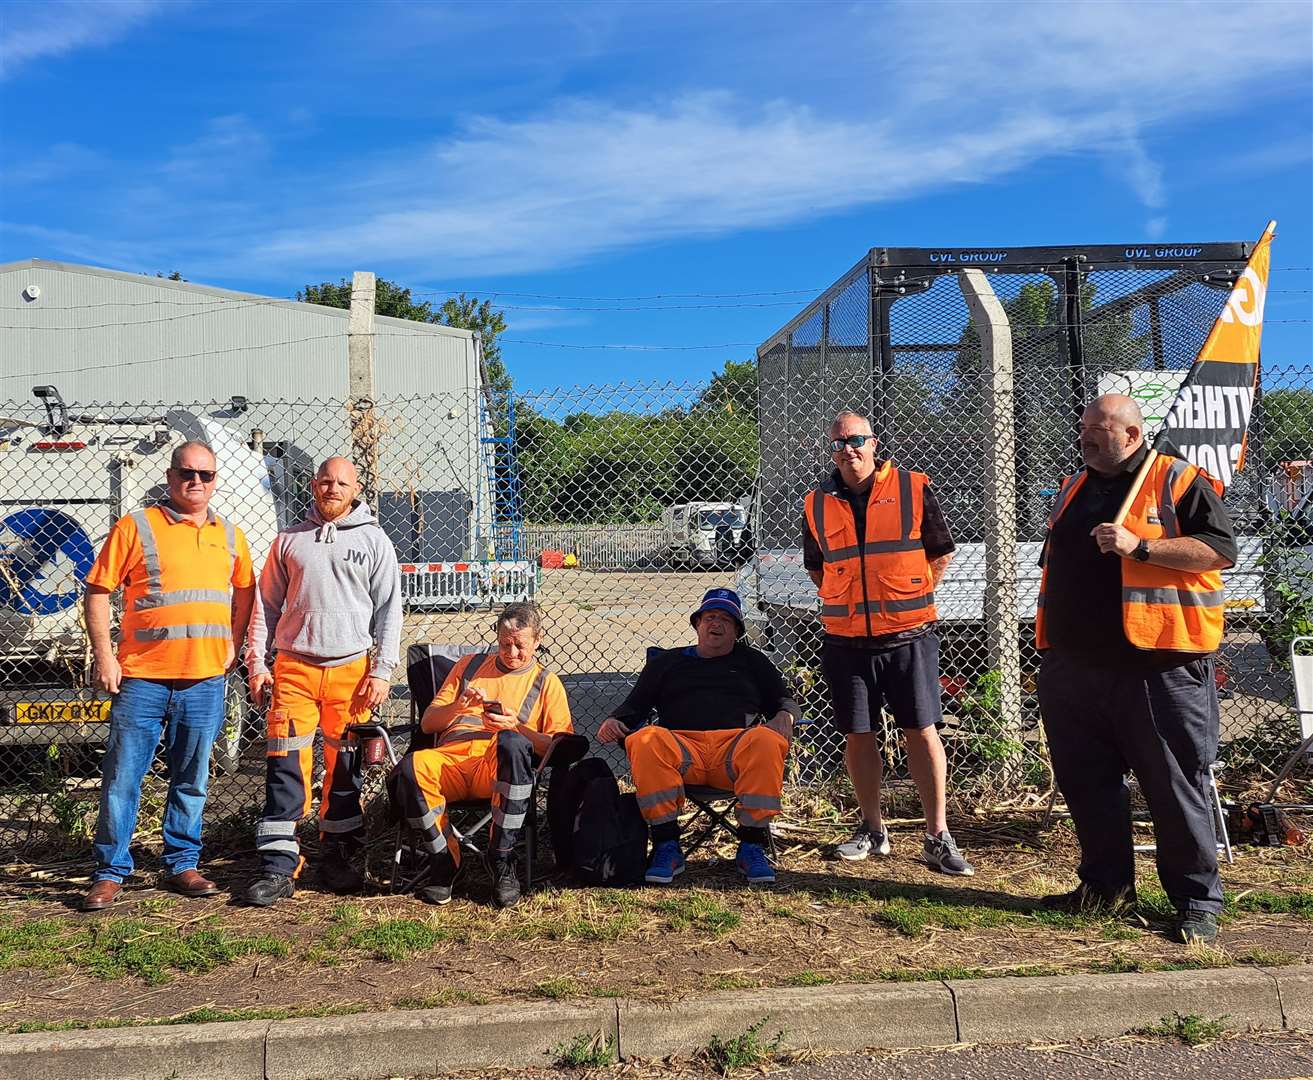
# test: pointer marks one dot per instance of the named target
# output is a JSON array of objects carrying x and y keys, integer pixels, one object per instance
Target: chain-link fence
[{"x": 616, "y": 508}]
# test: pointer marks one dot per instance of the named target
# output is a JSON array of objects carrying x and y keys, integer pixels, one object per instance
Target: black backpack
[{"x": 598, "y": 833}]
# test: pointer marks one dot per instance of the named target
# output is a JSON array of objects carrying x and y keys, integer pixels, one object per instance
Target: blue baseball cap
[{"x": 726, "y": 600}]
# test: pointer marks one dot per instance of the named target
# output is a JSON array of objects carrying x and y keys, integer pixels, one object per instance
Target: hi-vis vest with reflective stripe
[
  {"x": 885, "y": 586},
  {"x": 184, "y": 597},
  {"x": 1161, "y": 608},
  {"x": 470, "y": 728}
]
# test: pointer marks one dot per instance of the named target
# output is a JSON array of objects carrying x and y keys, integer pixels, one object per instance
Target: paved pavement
[{"x": 1272, "y": 1056}]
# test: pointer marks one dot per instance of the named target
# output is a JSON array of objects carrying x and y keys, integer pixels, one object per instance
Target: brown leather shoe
[
  {"x": 101, "y": 895},
  {"x": 191, "y": 885}
]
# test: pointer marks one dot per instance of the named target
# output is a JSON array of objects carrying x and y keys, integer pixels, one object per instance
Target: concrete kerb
[
  {"x": 836, "y": 1017},
  {"x": 228, "y": 1051}
]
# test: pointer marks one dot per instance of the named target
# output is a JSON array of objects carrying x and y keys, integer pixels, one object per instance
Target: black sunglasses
[
  {"x": 206, "y": 476},
  {"x": 855, "y": 441}
]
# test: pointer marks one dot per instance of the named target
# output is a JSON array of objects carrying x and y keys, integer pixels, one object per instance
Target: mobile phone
[{"x": 494, "y": 707}]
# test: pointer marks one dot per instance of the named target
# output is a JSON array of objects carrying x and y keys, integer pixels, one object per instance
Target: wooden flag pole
[{"x": 1140, "y": 477}]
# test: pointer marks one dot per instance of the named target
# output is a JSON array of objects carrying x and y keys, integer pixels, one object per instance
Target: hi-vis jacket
[
  {"x": 885, "y": 585},
  {"x": 1162, "y": 608},
  {"x": 178, "y": 579}
]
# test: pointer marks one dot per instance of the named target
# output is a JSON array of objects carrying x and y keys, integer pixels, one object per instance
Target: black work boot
[
  {"x": 438, "y": 882},
  {"x": 268, "y": 888},
  {"x": 505, "y": 882},
  {"x": 336, "y": 873}
]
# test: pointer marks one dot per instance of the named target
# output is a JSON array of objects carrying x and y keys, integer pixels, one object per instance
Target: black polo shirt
[
  {"x": 935, "y": 539},
  {"x": 694, "y": 693},
  {"x": 1083, "y": 594}
]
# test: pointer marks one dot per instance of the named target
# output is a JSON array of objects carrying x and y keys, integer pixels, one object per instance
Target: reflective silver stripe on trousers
[
  {"x": 291, "y": 742},
  {"x": 351, "y": 824},
  {"x": 686, "y": 761},
  {"x": 150, "y": 552},
  {"x": 185, "y": 630},
  {"x": 656, "y": 798},
  {"x": 759, "y": 802},
  {"x": 269, "y": 827},
  {"x": 531, "y": 699},
  {"x": 513, "y": 791},
  {"x": 1173, "y": 596},
  {"x": 426, "y": 822},
  {"x": 730, "y": 771},
  {"x": 662, "y": 819},
  {"x": 289, "y": 846},
  {"x": 182, "y": 596},
  {"x": 507, "y": 822}
]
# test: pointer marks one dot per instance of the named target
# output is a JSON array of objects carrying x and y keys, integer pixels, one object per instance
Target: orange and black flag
[{"x": 1209, "y": 422}]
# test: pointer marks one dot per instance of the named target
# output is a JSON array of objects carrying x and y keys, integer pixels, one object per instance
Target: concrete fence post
[
  {"x": 365, "y": 426},
  {"x": 1000, "y": 517}
]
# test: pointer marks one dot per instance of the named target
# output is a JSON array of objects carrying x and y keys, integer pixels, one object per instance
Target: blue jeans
[{"x": 189, "y": 714}]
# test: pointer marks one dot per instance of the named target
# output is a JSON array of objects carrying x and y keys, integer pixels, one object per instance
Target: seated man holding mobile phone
[{"x": 491, "y": 715}]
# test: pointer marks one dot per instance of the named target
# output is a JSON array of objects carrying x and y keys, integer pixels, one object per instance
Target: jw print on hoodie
[{"x": 330, "y": 592}]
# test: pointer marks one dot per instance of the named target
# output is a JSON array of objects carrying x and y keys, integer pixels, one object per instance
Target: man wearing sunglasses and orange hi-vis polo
[
  {"x": 875, "y": 544},
  {"x": 188, "y": 586},
  {"x": 330, "y": 612}
]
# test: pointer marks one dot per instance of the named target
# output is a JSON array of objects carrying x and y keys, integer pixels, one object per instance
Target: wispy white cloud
[
  {"x": 61, "y": 162},
  {"x": 230, "y": 146},
  {"x": 57, "y": 27},
  {"x": 969, "y": 96}
]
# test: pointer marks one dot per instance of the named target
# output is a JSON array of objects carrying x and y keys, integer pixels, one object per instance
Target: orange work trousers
[
  {"x": 750, "y": 761},
  {"x": 307, "y": 696},
  {"x": 498, "y": 767}
]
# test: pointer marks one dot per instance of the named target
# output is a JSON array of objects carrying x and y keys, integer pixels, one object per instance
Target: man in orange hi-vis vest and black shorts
[
  {"x": 875, "y": 544},
  {"x": 1129, "y": 617}
]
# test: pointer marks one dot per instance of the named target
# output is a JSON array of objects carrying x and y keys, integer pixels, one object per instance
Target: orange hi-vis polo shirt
[
  {"x": 177, "y": 580},
  {"x": 533, "y": 695}
]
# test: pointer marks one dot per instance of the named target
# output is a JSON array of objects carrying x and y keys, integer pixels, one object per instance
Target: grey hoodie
[{"x": 330, "y": 592}]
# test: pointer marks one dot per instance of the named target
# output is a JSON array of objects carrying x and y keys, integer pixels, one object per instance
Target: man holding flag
[{"x": 1130, "y": 614}]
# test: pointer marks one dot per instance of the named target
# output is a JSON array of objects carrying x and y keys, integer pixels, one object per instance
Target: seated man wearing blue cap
[{"x": 707, "y": 699}]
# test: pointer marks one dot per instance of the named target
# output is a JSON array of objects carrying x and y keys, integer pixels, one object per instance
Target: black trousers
[{"x": 1102, "y": 722}]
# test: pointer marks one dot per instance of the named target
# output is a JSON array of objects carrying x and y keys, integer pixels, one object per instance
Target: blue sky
[{"x": 617, "y": 150}]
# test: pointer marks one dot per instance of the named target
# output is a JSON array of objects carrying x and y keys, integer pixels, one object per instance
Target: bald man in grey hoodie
[{"x": 326, "y": 636}]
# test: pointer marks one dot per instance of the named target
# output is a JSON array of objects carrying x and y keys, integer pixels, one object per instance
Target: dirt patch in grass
[{"x": 154, "y": 957}]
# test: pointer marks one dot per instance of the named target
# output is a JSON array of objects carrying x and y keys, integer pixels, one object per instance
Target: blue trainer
[
  {"x": 667, "y": 863},
  {"x": 753, "y": 865}
]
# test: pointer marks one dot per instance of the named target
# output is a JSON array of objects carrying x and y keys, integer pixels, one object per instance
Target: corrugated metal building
[{"x": 114, "y": 342}]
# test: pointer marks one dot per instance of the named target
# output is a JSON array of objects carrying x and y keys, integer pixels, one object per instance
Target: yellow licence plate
[{"x": 62, "y": 712}]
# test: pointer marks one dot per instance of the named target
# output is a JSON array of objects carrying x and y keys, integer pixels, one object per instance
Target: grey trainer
[
  {"x": 863, "y": 843},
  {"x": 940, "y": 853}
]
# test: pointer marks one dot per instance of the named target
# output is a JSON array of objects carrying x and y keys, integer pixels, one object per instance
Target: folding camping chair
[
  {"x": 1301, "y": 673},
  {"x": 427, "y": 667}
]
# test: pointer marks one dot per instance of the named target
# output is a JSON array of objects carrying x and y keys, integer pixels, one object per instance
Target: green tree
[
  {"x": 1285, "y": 425},
  {"x": 470, "y": 313}
]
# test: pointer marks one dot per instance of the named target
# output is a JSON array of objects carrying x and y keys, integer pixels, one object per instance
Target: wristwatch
[{"x": 1141, "y": 552}]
